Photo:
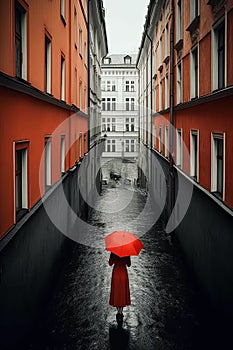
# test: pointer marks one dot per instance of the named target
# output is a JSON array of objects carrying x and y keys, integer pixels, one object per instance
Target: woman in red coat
[{"x": 120, "y": 294}]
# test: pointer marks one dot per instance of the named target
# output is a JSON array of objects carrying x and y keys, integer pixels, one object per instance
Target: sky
[{"x": 124, "y": 23}]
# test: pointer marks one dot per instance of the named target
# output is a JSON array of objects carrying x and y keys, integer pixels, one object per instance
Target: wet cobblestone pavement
[{"x": 164, "y": 311}]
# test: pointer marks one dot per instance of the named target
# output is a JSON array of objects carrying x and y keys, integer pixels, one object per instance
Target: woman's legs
[{"x": 119, "y": 309}]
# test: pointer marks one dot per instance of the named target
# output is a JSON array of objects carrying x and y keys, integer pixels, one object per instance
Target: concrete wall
[
  {"x": 206, "y": 237},
  {"x": 32, "y": 256}
]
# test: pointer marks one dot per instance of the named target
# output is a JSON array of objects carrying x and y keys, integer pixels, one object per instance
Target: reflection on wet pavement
[{"x": 164, "y": 306}]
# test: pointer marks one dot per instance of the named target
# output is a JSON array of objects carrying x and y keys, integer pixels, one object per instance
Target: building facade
[
  {"x": 186, "y": 79},
  {"x": 43, "y": 80},
  {"x": 119, "y": 88},
  {"x": 98, "y": 48}
]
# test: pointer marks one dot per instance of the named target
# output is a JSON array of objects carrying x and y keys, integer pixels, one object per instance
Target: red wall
[
  {"x": 31, "y": 119},
  {"x": 208, "y": 118}
]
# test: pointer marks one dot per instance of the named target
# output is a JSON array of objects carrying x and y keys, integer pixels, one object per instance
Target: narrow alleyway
[{"x": 165, "y": 311}]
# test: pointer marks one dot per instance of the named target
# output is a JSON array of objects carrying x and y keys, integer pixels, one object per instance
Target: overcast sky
[{"x": 124, "y": 21}]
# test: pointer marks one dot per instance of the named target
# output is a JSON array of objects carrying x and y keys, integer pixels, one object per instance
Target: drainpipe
[
  {"x": 172, "y": 119},
  {"x": 151, "y": 103}
]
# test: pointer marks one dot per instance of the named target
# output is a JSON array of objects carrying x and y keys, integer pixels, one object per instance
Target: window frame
[
  {"x": 214, "y": 51},
  {"x": 48, "y": 64},
  {"x": 62, "y": 154},
  {"x": 194, "y": 157},
  {"x": 194, "y": 73},
  {"x": 214, "y": 167},
  {"x": 23, "y": 148},
  {"x": 48, "y": 162},
  {"x": 21, "y": 37},
  {"x": 179, "y": 148}
]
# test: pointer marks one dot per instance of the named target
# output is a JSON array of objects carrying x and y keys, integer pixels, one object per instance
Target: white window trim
[
  {"x": 63, "y": 153},
  {"x": 63, "y": 8},
  {"x": 192, "y": 10},
  {"x": 179, "y": 84},
  {"x": 24, "y": 45},
  {"x": 48, "y": 163},
  {"x": 214, "y": 66},
  {"x": 192, "y": 154},
  {"x": 160, "y": 139},
  {"x": 63, "y": 78},
  {"x": 215, "y": 136},
  {"x": 179, "y": 146},
  {"x": 48, "y": 65},
  {"x": 166, "y": 141}
]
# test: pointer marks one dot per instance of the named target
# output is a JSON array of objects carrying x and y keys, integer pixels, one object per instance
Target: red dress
[{"x": 120, "y": 295}]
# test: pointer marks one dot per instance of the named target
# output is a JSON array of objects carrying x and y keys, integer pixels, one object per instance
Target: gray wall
[
  {"x": 206, "y": 237},
  {"x": 32, "y": 256}
]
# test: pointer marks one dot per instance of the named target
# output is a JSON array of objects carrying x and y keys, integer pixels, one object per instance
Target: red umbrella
[{"x": 123, "y": 243}]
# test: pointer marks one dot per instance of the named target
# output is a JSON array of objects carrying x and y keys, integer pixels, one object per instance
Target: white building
[{"x": 119, "y": 88}]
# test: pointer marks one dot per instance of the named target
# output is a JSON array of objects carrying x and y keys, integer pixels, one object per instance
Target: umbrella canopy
[{"x": 123, "y": 243}]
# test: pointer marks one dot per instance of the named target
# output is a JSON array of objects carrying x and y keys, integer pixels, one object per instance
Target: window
[
  {"x": 166, "y": 141},
  {"x": 63, "y": 9},
  {"x": 194, "y": 157},
  {"x": 80, "y": 94},
  {"x": 63, "y": 153},
  {"x": 21, "y": 180},
  {"x": 132, "y": 124},
  {"x": 132, "y": 104},
  {"x": 62, "y": 78},
  {"x": 194, "y": 9},
  {"x": 113, "y": 104},
  {"x": 154, "y": 136},
  {"x": 48, "y": 163},
  {"x": 111, "y": 146},
  {"x": 75, "y": 28},
  {"x": 218, "y": 56},
  {"x": 167, "y": 41},
  {"x": 80, "y": 145},
  {"x": 103, "y": 104},
  {"x": 217, "y": 165},
  {"x": 179, "y": 25},
  {"x": 85, "y": 53},
  {"x": 126, "y": 145},
  {"x": 179, "y": 148},
  {"x": 194, "y": 73},
  {"x": 166, "y": 91},
  {"x": 179, "y": 83},
  {"x": 47, "y": 64},
  {"x": 160, "y": 52},
  {"x": 113, "y": 86},
  {"x": 80, "y": 42},
  {"x": 20, "y": 41},
  {"x": 132, "y": 145},
  {"x": 160, "y": 139},
  {"x": 127, "y": 104},
  {"x": 127, "y": 85},
  {"x": 108, "y": 124},
  {"x": 132, "y": 86},
  {"x": 127, "y": 124},
  {"x": 127, "y": 60},
  {"x": 107, "y": 60},
  {"x": 108, "y": 104},
  {"x": 160, "y": 92}
]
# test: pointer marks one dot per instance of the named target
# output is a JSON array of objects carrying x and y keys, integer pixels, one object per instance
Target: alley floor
[{"x": 165, "y": 311}]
